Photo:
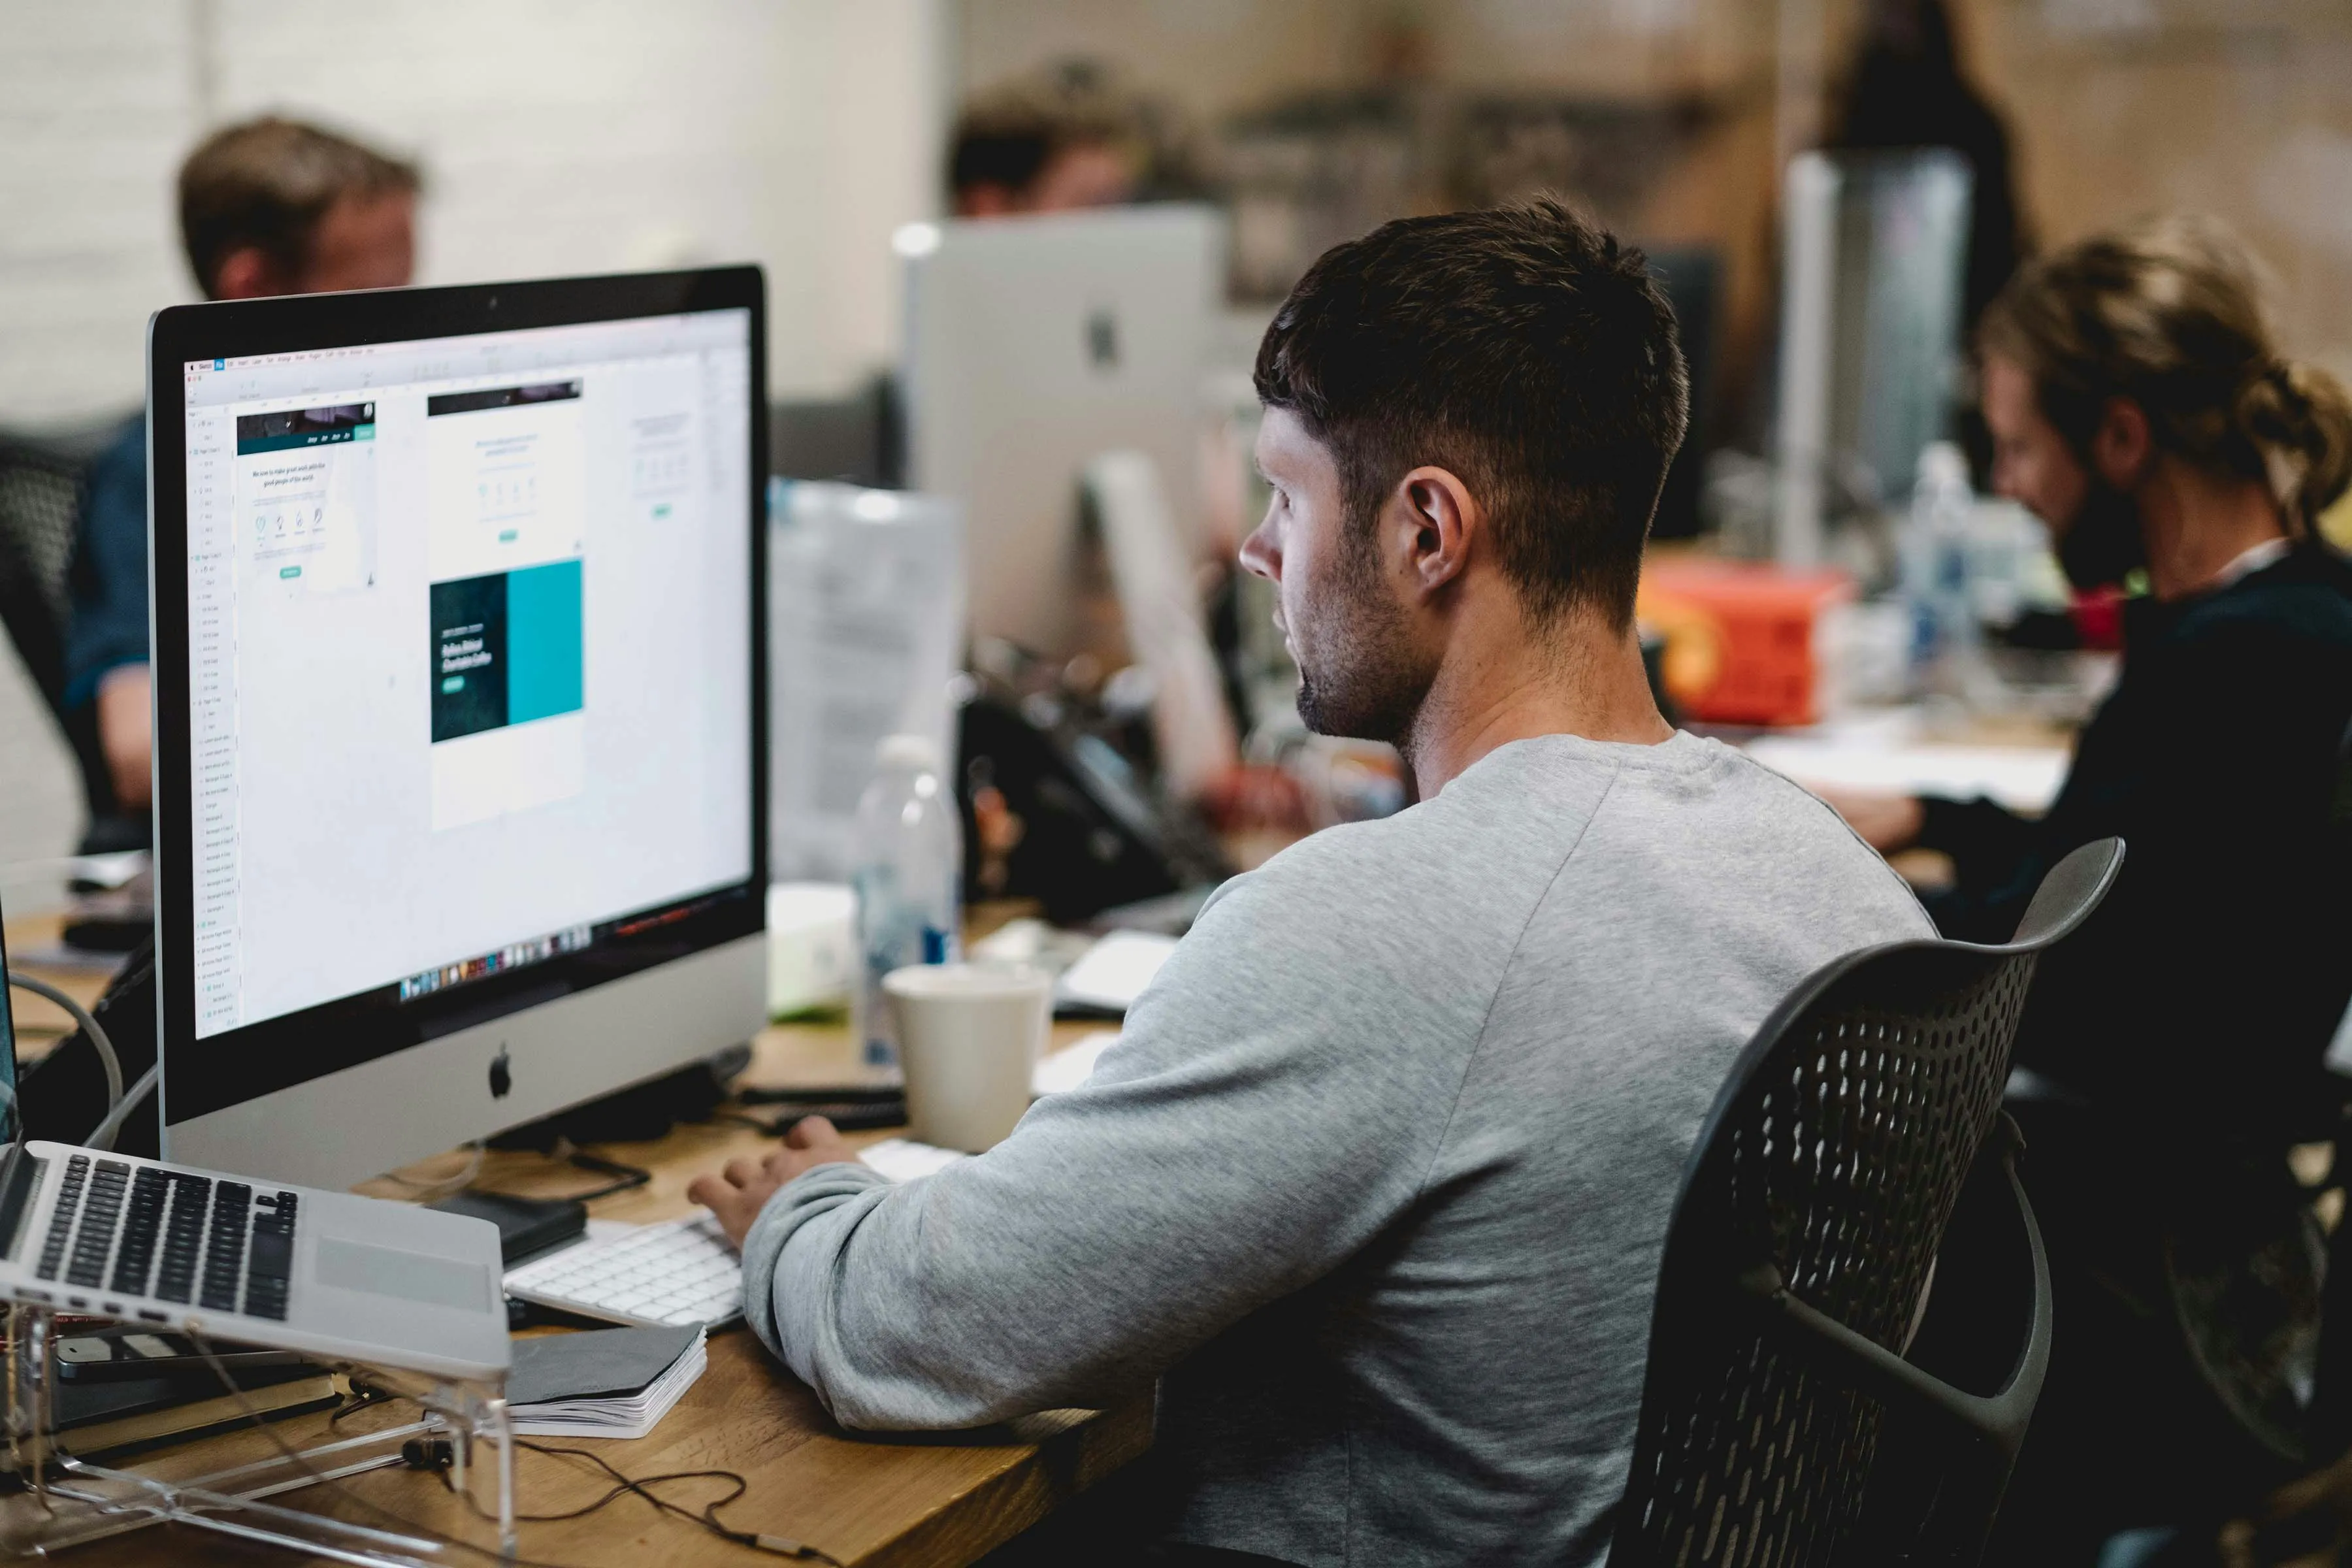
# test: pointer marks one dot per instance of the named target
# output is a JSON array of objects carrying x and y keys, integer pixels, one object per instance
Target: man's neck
[
  {"x": 1582, "y": 678},
  {"x": 2195, "y": 524}
]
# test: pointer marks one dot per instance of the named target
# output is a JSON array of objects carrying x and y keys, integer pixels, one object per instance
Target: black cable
[
  {"x": 286, "y": 1452},
  {"x": 777, "y": 1545},
  {"x": 853, "y": 1118},
  {"x": 622, "y": 1487},
  {"x": 364, "y": 1396},
  {"x": 624, "y": 1177},
  {"x": 706, "y": 1516}
]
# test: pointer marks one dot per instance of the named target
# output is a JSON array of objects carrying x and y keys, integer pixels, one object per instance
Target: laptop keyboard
[{"x": 173, "y": 1236}]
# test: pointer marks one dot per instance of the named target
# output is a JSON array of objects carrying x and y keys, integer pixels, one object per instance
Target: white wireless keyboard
[{"x": 685, "y": 1271}]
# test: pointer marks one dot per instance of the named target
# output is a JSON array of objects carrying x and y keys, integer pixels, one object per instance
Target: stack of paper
[
  {"x": 608, "y": 1382},
  {"x": 903, "y": 1159},
  {"x": 1113, "y": 973},
  {"x": 1888, "y": 753},
  {"x": 1072, "y": 1065}
]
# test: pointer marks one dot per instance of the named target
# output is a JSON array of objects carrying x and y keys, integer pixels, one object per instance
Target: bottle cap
[{"x": 1943, "y": 463}]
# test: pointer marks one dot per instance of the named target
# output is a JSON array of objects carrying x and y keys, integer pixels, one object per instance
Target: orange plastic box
[{"x": 1743, "y": 640}]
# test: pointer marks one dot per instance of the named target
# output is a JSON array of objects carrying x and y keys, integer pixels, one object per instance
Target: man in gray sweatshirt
[{"x": 1377, "y": 1179}]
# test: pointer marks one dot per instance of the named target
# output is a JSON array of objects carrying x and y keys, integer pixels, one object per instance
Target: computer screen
[
  {"x": 1035, "y": 345},
  {"x": 470, "y": 658},
  {"x": 470, "y": 680}
]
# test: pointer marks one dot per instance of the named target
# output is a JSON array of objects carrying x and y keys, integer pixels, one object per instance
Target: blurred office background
[{"x": 582, "y": 137}]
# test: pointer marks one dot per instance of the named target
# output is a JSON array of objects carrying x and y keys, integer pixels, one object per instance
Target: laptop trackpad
[{"x": 412, "y": 1276}]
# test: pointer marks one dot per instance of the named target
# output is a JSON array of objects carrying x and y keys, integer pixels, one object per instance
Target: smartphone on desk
[
  {"x": 850, "y": 1109},
  {"x": 117, "y": 1355}
]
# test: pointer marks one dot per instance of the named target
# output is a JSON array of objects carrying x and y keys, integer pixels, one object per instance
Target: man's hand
[
  {"x": 1887, "y": 823},
  {"x": 739, "y": 1192},
  {"x": 2307, "y": 1523},
  {"x": 126, "y": 733}
]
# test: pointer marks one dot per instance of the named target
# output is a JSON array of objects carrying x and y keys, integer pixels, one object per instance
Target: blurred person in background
[
  {"x": 1059, "y": 143},
  {"x": 2172, "y": 1050},
  {"x": 1905, "y": 88},
  {"x": 268, "y": 206}
]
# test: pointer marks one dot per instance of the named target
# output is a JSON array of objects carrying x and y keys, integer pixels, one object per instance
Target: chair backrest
[
  {"x": 44, "y": 486},
  {"x": 2339, "y": 804},
  {"x": 1829, "y": 1166},
  {"x": 41, "y": 495}
]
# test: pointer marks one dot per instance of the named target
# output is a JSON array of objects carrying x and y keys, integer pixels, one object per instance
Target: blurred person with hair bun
[{"x": 2173, "y": 1049}]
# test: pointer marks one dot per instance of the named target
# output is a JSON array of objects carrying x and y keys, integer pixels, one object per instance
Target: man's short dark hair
[
  {"x": 1007, "y": 137},
  {"x": 267, "y": 183},
  {"x": 1522, "y": 348}
]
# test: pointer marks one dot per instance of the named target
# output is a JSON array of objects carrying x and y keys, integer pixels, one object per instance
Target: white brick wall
[
  {"x": 559, "y": 136},
  {"x": 96, "y": 107}
]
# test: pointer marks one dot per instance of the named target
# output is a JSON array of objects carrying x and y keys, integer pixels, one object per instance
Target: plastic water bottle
[
  {"x": 1945, "y": 635},
  {"x": 2004, "y": 542},
  {"x": 909, "y": 860}
]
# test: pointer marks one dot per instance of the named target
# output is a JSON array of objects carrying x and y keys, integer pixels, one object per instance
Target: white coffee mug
[{"x": 969, "y": 1039}]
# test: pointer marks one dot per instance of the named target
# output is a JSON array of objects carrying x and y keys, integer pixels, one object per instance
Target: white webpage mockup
[{"x": 469, "y": 627}]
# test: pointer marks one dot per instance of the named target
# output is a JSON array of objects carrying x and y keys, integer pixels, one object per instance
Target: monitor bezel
[{"x": 252, "y": 1060}]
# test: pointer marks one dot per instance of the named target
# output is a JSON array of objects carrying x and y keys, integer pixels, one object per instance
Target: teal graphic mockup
[{"x": 507, "y": 648}]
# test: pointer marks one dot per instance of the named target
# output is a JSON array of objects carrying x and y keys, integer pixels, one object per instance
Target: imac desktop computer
[
  {"x": 1035, "y": 345},
  {"x": 459, "y": 708}
]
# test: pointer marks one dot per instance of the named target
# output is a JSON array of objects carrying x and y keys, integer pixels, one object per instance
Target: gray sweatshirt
[{"x": 1378, "y": 1175}]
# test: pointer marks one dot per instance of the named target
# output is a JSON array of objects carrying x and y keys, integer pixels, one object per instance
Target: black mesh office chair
[
  {"x": 2332, "y": 1404},
  {"x": 41, "y": 495},
  {"x": 1798, "y": 1265}
]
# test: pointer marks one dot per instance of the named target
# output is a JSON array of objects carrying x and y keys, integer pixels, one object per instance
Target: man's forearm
[
  {"x": 798, "y": 1305},
  {"x": 126, "y": 733},
  {"x": 1225, "y": 1153}
]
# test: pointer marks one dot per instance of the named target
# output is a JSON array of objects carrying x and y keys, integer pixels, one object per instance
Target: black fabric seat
[{"x": 1782, "y": 1421}]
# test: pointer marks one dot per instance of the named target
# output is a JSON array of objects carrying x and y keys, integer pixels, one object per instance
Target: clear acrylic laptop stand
[{"x": 60, "y": 1501}]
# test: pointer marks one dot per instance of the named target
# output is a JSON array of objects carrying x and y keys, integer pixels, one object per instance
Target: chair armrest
[{"x": 1999, "y": 1418}]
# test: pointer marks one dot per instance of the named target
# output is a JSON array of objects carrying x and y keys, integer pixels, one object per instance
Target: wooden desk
[{"x": 883, "y": 1501}]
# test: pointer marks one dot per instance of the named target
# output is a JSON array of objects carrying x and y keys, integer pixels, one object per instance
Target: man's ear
[
  {"x": 2121, "y": 446},
  {"x": 1438, "y": 522},
  {"x": 246, "y": 272},
  {"x": 989, "y": 198}
]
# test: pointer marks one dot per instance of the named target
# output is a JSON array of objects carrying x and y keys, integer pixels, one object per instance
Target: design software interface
[{"x": 470, "y": 663}]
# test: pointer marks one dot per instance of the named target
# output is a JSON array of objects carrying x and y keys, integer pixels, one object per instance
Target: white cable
[
  {"x": 98, "y": 1042},
  {"x": 103, "y": 1138}
]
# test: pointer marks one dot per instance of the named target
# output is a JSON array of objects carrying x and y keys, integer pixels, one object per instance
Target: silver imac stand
[
  {"x": 65, "y": 1502},
  {"x": 1874, "y": 253},
  {"x": 1152, "y": 573}
]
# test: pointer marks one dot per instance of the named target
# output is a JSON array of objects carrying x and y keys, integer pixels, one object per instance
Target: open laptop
[{"x": 331, "y": 1275}]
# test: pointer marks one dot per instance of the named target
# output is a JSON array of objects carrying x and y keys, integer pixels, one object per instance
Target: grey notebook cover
[{"x": 598, "y": 1363}]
